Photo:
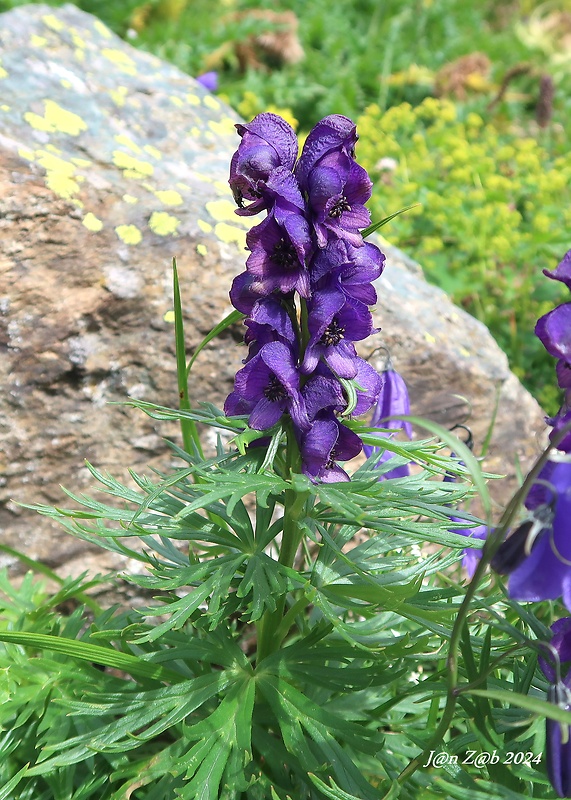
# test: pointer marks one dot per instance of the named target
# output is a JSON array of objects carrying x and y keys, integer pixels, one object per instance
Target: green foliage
[{"x": 494, "y": 211}]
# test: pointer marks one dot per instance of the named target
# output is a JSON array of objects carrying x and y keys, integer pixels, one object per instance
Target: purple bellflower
[
  {"x": 307, "y": 287},
  {"x": 209, "y": 80},
  {"x": 557, "y": 734},
  {"x": 393, "y": 401},
  {"x": 537, "y": 555}
]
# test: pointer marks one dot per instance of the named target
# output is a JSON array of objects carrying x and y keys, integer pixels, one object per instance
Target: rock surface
[{"x": 111, "y": 163}]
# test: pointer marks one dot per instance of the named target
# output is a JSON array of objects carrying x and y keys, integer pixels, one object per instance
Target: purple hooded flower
[
  {"x": 351, "y": 269},
  {"x": 270, "y": 380},
  {"x": 333, "y": 134},
  {"x": 327, "y": 442},
  {"x": 269, "y": 322},
  {"x": 393, "y": 401},
  {"x": 335, "y": 322},
  {"x": 537, "y": 555},
  {"x": 279, "y": 255},
  {"x": 338, "y": 189},
  {"x": 268, "y": 142}
]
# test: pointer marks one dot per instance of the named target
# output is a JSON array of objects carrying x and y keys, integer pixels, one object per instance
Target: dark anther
[
  {"x": 284, "y": 255},
  {"x": 339, "y": 207},
  {"x": 274, "y": 391},
  {"x": 514, "y": 550},
  {"x": 333, "y": 334}
]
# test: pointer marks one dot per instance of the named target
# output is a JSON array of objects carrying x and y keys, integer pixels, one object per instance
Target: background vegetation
[{"x": 462, "y": 107}]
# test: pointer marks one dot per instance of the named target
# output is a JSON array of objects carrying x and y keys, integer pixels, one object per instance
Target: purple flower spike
[
  {"x": 268, "y": 142},
  {"x": 271, "y": 381}
]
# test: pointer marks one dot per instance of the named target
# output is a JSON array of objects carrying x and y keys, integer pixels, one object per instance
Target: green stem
[{"x": 270, "y": 631}]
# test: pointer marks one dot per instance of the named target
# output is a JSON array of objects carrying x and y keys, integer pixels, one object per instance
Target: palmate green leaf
[
  {"x": 93, "y": 653},
  {"x": 264, "y": 579},
  {"x": 309, "y": 733},
  {"x": 333, "y": 792},
  {"x": 133, "y": 718},
  {"x": 223, "y": 745}
]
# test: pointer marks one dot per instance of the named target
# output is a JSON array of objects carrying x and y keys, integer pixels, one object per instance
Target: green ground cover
[{"x": 493, "y": 184}]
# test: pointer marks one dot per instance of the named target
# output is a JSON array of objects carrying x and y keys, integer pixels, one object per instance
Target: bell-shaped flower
[
  {"x": 270, "y": 380},
  {"x": 537, "y": 555},
  {"x": 558, "y": 734},
  {"x": 393, "y": 401},
  {"x": 268, "y": 142}
]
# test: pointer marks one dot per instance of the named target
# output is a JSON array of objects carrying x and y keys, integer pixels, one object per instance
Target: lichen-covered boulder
[{"x": 111, "y": 163}]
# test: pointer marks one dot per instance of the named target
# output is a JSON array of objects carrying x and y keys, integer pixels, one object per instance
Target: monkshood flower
[
  {"x": 557, "y": 734},
  {"x": 307, "y": 288},
  {"x": 270, "y": 381},
  {"x": 470, "y": 556},
  {"x": 393, "y": 401},
  {"x": 268, "y": 142}
]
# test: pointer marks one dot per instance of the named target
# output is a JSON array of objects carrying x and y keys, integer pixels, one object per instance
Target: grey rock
[{"x": 111, "y": 164}]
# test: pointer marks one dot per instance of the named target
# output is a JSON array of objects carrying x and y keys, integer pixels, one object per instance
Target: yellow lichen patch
[
  {"x": 193, "y": 99},
  {"x": 176, "y": 101},
  {"x": 132, "y": 167},
  {"x": 3, "y": 73},
  {"x": 169, "y": 197},
  {"x": 92, "y": 223},
  {"x": 53, "y": 149},
  {"x": 222, "y": 188},
  {"x": 202, "y": 177},
  {"x": 465, "y": 352},
  {"x": 53, "y": 22},
  {"x": 55, "y": 119},
  {"x": 229, "y": 233},
  {"x": 163, "y": 224},
  {"x": 65, "y": 83},
  {"x": 4, "y": 107},
  {"x": 122, "y": 138},
  {"x": 78, "y": 41},
  {"x": 194, "y": 132},
  {"x": 38, "y": 41},
  {"x": 205, "y": 227},
  {"x": 118, "y": 95},
  {"x": 152, "y": 151},
  {"x": 169, "y": 316},
  {"x": 429, "y": 337},
  {"x": 25, "y": 152},
  {"x": 60, "y": 174},
  {"x": 102, "y": 29},
  {"x": 120, "y": 59},
  {"x": 128, "y": 198},
  {"x": 81, "y": 162},
  {"x": 201, "y": 249},
  {"x": 129, "y": 234},
  {"x": 79, "y": 54},
  {"x": 211, "y": 102},
  {"x": 221, "y": 210},
  {"x": 223, "y": 128},
  {"x": 184, "y": 187}
]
